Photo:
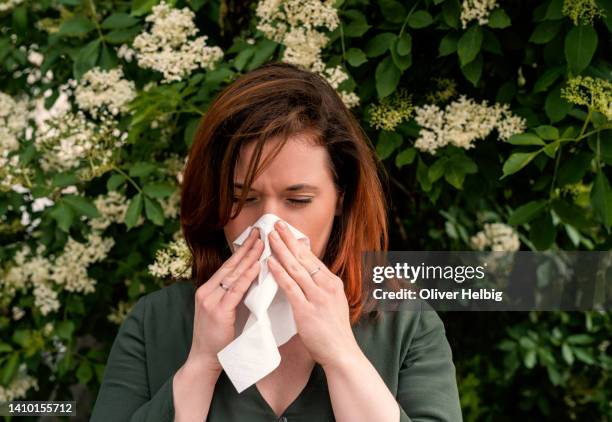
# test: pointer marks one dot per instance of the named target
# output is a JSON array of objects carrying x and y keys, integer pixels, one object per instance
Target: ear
[{"x": 339, "y": 204}]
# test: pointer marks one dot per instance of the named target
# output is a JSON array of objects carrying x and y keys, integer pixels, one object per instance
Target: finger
[
  {"x": 292, "y": 290},
  {"x": 251, "y": 258},
  {"x": 236, "y": 292},
  {"x": 291, "y": 265},
  {"x": 230, "y": 264},
  {"x": 300, "y": 251}
]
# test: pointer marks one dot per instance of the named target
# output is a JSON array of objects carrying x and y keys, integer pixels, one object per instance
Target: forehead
[{"x": 300, "y": 159}]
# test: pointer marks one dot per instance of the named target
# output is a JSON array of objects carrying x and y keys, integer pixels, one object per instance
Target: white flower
[
  {"x": 168, "y": 48},
  {"x": 6, "y": 5},
  {"x": 299, "y": 26},
  {"x": 172, "y": 261},
  {"x": 496, "y": 237},
  {"x": 462, "y": 122},
  {"x": 104, "y": 90},
  {"x": 476, "y": 9},
  {"x": 71, "y": 141}
]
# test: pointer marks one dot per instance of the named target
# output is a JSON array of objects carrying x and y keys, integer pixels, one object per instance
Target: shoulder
[{"x": 177, "y": 293}]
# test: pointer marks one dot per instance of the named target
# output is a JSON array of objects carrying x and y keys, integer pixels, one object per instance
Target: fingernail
[
  {"x": 282, "y": 225},
  {"x": 274, "y": 234}
]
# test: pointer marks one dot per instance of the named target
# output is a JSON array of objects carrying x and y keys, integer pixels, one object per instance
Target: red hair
[{"x": 281, "y": 100}]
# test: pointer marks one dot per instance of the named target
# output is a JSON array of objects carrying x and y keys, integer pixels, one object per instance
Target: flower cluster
[
  {"x": 462, "y": 122},
  {"x": 174, "y": 260},
  {"x": 102, "y": 91},
  {"x": 581, "y": 12},
  {"x": 595, "y": 93},
  {"x": 299, "y": 26},
  {"x": 13, "y": 123},
  {"x": 476, "y": 9},
  {"x": 444, "y": 90},
  {"x": 167, "y": 46},
  {"x": 391, "y": 111},
  {"x": 71, "y": 140},
  {"x": 47, "y": 275},
  {"x": 119, "y": 313},
  {"x": 19, "y": 386},
  {"x": 112, "y": 207},
  {"x": 5, "y": 6},
  {"x": 496, "y": 237}
]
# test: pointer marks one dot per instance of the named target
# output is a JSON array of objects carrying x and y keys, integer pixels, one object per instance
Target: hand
[
  {"x": 320, "y": 307},
  {"x": 215, "y": 308}
]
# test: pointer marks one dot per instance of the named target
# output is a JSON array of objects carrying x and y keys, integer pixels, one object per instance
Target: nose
[{"x": 272, "y": 206}]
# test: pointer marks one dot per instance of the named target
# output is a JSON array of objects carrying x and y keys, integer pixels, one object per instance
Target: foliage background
[{"x": 104, "y": 205}]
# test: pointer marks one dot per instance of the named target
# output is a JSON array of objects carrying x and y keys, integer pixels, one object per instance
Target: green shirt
[{"x": 408, "y": 348}]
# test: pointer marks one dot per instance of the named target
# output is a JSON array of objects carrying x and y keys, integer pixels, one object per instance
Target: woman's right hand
[{"x": 215, "y": 308}]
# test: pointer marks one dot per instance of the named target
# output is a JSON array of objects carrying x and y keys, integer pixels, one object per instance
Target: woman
[{"x": 279, "y": 140}]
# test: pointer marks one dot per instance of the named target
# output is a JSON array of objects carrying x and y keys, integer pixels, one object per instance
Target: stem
[
  {"x": 554, "y": 178},
  {"x": 586, "y": 122},
  {"x": 406, "y": 20},
  {"x": 114, "y": 167}
]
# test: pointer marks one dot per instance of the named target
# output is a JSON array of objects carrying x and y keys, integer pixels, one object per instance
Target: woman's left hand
[{"x": 320, "y": 307}]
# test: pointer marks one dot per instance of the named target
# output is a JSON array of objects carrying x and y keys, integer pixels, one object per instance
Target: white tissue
[{"x": 254, "y": 353}]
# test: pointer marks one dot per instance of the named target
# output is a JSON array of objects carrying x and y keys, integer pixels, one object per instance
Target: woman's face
[{"x": 297, "y": 185}]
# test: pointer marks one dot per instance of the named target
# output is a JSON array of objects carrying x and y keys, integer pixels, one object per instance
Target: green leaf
[
  {"x": 154, "y": 211},
  {"x": 574, "y": 169},
  {"x": 542, "y": 232},
  {"x": 158, "y": 189},
  {"x": 422, "y": 175},
  {"x": 141, "y": 169},
  {"x": 547, "y": 132},
  {"x": 469, "y": 45},
  {"x": 82, "y": 205},
  {"x": 402, "y": 62},
  {"x": 473, "y": 70},
  {"x": 356, "y": 57},
  {"x": 570, "y": 214},
  {"x": 120, "y": 36},
  {"x": 357, "y": 25},
  {"x": 405, "y": 157},
  {"x": 499, "y": 19},
  {"x": 525, "y": 138},
  {"x": 86, "y": 59},
  {"x": 404, "y": 44},
  {"x": 568, "y": 356},
  {"x": 527, "y": 212},
  {"x": 387, "y": 143},
  {"x": 115, "y": 181},
  {"x": 437, "y": 169},
  {"x": 448, "y": 44},
  {"x": 580, "y": 45},
  {"x": 517, "y": 161},
  {"x": 601, "y": 199},
  {"x": 392, "y": 10},
  {"x": 75, "y": 27},
  {"x": 133, "y": 211},
  {"x": 84, "y": 372},
  {"x": 545, "y": 31},
  {"x": 142, "y": 7},
  {"x": 64, "y": 179},
  {"x": 530, "y": 358},
  {"x": 420, "y": 19},
  {"x": 263, "y": 51},
  {"x": 118, "y": 21},
  {"x": 451, "y": 11},
  {"x": 64, "y": 329},
  {"x": 548, "y": 78},
  {"x": 379, "y": 44},
  {"x": 556, "y": 108},
  {"x": 243, "y": 57},
  {"x": 10, "y": 368},
  {"x": 581, "y": 339},
  {"x": 63, "y": 214},
  {"x": 387, "y": 77}
]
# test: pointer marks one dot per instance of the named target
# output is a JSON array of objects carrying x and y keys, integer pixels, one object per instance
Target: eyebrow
[{"x": 292, "y": 188}]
